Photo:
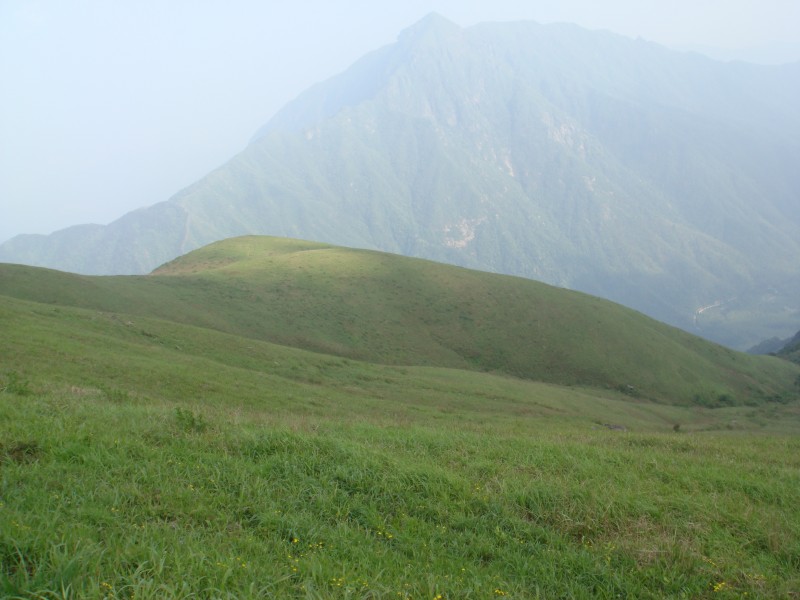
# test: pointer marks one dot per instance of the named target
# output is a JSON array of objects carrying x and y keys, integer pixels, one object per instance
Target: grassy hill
[
  {"x": 389, "y": 309},
  {"x": 156, "y": 444}
]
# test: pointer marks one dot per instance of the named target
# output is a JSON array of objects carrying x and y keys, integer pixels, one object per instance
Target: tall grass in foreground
[{"x": 104, "y": 496}]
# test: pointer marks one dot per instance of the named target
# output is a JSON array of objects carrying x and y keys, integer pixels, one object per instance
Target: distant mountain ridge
[
  {"x": 791, "y": 350},
  {"x": 661, "y": 180}
]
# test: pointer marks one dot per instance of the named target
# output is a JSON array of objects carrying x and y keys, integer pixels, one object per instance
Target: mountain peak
[{"x": 432, "y": 24}]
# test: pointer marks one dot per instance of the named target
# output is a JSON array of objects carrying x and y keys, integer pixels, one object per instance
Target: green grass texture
[{"x": 152, "y": 452}]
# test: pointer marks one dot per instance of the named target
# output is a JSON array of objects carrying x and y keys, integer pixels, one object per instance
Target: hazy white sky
[{"x": 110, "y": 106}]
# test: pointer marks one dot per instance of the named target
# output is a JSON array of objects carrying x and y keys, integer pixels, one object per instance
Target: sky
[{"x": 106, "y": 107}]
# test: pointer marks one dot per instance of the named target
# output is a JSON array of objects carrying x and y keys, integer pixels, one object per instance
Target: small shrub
[
  {"x": 779, "y": 399},
  {"x": 14, "y": 384},
  {"x": 714, "y": 400},
  {"x": 628, "y": 390},
  {"x": 189, "y": 421},
  {"x": 116, "y": 395},
  {"x": 22, "y": 452},
  {"x": 725, "y": 400}
]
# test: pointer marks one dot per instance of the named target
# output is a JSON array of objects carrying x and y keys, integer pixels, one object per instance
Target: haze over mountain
[{"x": 658, "y": 179}]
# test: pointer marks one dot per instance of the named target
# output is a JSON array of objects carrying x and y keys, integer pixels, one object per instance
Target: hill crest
[{"x": 383, "y": 308}]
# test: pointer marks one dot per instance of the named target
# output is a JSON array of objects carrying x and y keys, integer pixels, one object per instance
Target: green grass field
[
  {"x": 148, "y": 457},
  {"x": 112, "y": 496}
]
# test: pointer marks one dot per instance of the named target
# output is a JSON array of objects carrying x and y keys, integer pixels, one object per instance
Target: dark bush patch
[
  {"x": 14, "y": 384},
  {"x": 725, "y": 400},
  {"x": 20, "y": 452},
  {"x": 189, "y": 421}
]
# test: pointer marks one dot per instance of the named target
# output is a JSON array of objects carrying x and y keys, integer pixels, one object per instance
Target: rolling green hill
[
  {"x": 658, "y": 179},
  {"x": 157, "y": 442},
  {"x": 388, "y": 309},
  {"x": 175, "y": 436}
]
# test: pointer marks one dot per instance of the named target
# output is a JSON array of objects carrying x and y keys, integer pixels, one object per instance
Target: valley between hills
[{"x": 269, "y": 417}]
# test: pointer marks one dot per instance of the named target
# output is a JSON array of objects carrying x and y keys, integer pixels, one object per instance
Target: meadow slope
[{"x": 143, "y": 458}]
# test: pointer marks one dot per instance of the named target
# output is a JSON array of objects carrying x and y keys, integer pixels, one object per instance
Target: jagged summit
[
  {"x": 363, "y": 79},
  {"x": 432, "y": 24}
]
